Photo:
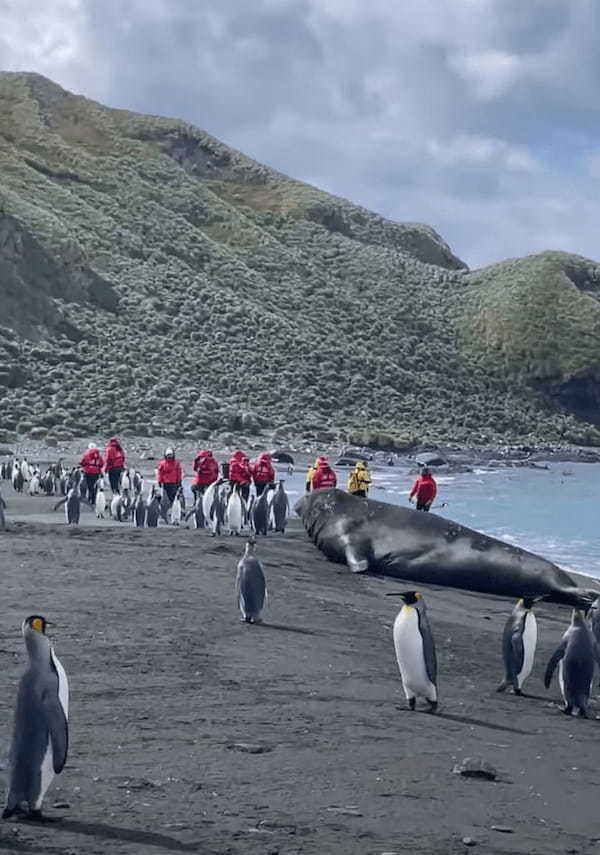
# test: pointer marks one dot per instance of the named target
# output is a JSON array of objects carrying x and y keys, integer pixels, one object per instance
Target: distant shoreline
[{"x": 456, "y": 457}]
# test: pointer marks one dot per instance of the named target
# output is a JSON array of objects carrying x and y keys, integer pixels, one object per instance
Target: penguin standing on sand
[
  {"x": 415, "y": 650},
  {"x": 153, "y": 511},
  {"x": 280, "y": 508},
  {"x": 250, "y": 585},
  {"x": 594, "y": 616},
  {"x": 139, "y": 511},
  {"x": 40, "y": 739},
  {"x": 100, "y": 501},
  {"x": 72, "y": 503},
  {"x": 235, "y": 512},
  {"x": 518, "y": 645},
  {"x": 260, "y": 512},
  {"x": 176, "y": 508},
  {"x": 213, "y": 508},
  {"x": 575, "y": 659}
]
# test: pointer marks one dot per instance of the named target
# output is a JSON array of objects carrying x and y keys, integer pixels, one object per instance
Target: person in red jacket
[
  {"x": 424, "y": 490},
  {"x": 169, "y": 474},
  {"x": 262, "y": 472},
  {"x": 324, "y": 475},
  {"x": 91, "y": 465},
  {"x": 240, "y": 473},
  {"x": 114, "y": 463},
  {"x": 206, "y": 471}
]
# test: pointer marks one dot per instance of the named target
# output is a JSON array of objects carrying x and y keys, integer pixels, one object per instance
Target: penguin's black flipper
[
  {"x": 59, "y": 731},
  {"x": 554, "y": 660},
  {"x": 58, "y": 504}
]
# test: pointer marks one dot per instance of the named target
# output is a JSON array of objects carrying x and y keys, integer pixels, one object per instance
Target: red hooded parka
[
  {"x": 91, "y": 462},
  {"x": 206, "y": 469},
  {"x": 169, "y": 471},
  {"x": 324, "y": 475},
  {"x": 239, "y": 469},
  {"x": 263, "y": 471},
  {"x": 424, "y": 489},
  {"x": 114, "y": 456}
]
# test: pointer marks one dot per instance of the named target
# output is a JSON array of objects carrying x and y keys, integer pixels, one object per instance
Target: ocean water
[{"x": 553, "y": 512}]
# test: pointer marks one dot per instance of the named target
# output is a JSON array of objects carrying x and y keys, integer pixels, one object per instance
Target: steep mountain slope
[{"x": 153, "y": 280}]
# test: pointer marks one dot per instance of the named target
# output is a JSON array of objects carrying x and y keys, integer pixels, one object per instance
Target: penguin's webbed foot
[
  {"x": 433, "y": 705},
  {"x": 502, "y": 686},
  {"x": 567, "y": 709},
  {"x": 412, "y": 703}
]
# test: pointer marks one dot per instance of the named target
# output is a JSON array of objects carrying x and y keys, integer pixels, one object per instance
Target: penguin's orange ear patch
[{"x": 37, "y": 624}]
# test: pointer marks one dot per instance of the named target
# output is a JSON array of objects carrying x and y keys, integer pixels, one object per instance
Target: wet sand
[{"x": 193, "y": 732}]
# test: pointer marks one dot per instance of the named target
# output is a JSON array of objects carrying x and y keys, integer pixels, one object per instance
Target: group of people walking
[
  {"x": 169, "y": 472},
  {"x": 239, "y": 471},
  {"x": 320, "y": 474}
]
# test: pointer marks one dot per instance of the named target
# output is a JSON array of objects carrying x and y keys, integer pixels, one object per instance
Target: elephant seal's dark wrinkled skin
[{"x": 423, "y": 547}]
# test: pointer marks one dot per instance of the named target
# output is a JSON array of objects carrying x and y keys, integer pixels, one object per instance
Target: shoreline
[
  {"x": 456, "y": 457},
  {"x": 292, "y": 737}
]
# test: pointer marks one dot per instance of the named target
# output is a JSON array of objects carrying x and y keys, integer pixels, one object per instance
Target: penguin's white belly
[
  {"x": 409, "y": 653},
  {"x": 47, "y": 776},
  {"x": 234, "y": 514},
  {"x": 529, "y": 645},
  {"x": 100, "y": 504},
  {"x": 561, "y": 680},
  {"x": 47, "y": 771}
]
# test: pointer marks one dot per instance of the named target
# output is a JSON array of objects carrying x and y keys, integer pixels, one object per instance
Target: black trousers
[
  {"x": 171, "y": 491},
  {"x": 362, "y": 494},
  {"x": 114, "y": 477},
  {"x": 423, "y": 506},
  {"x": 91, "y": 484}
]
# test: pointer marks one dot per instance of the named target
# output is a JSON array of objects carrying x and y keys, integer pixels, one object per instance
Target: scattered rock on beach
[
  {"x": 249, "y": 747},
  {"x": 472, "y": 767}
]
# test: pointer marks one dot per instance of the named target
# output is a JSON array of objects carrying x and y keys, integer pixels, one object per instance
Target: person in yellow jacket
[
  {"x": 359, "y": 480},
  {"x": 309, "y": 475}
]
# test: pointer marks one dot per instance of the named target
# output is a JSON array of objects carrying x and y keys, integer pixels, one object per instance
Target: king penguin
[
  {"x": 235, "y": 511},
  {"x": 518, "y": 645},
  {"x": 250, "y": 584},
  {"x": 575, "y": 659},
  {"x": 40, "y": 739},
  {"x": 100, "y": 501},
  {"x": 415, "y": 650}
]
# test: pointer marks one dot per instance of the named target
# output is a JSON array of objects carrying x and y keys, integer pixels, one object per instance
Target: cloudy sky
[{"x": 479, "y": 117}]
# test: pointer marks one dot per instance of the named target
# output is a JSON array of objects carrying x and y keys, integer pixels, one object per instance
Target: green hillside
[{"x": 155, "y": 281}]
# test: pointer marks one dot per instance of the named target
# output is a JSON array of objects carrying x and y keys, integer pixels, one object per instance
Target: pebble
[
  {"x": 503, "y": 829},
  {"x": 345, "y": 811},
  {"x": 472, "y": 767},
  {"x": 469, "y": 841},
  {"x": 249, "y": 747},
  {"x": 60, "y": 805}
]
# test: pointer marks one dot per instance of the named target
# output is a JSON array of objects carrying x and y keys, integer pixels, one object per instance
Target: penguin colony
[
  {"x": 40, "y": 733},
  {"x": 220, "y": 508}
]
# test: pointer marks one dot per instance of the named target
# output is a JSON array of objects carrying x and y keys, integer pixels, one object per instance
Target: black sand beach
[{"x": 191, "y": 731}]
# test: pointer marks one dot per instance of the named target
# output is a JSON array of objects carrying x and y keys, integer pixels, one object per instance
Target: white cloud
[
  {"x": 471, "y": 150},
  {"x": 477, "y": 116},
  {"x": 490, "y": 73}
]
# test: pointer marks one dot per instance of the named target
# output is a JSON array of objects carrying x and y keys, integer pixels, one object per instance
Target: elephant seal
[{"x": 381, "y": 538}]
